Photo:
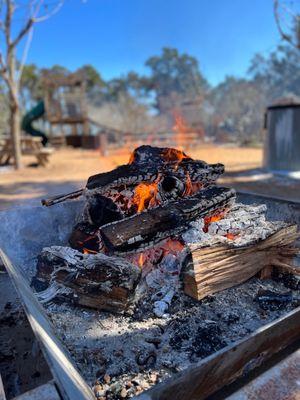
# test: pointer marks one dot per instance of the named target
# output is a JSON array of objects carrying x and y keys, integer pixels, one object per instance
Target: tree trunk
[
  {"x": 15, "y": 131},
  {"x": 14, "y": 105}
]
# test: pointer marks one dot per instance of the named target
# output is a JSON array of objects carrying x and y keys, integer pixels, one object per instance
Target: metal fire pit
[{"x": 25, "y": 231}]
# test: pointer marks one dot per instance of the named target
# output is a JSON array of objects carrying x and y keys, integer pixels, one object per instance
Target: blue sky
[{"x": 117, "y": 36}]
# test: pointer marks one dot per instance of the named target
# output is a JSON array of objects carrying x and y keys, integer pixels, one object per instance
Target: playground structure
[{"x": 64, "y": 108}]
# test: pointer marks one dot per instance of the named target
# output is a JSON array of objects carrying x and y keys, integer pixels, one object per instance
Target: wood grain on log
[
  {"x": 92, "y": 280},
  {"x": 215, "y": 268},
  {"x": 143, "y": 230}
]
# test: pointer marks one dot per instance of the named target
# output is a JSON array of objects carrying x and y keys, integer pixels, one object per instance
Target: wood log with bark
[
  {"x": 91, "y": 280},
  {"x": 211, "y": 269}
]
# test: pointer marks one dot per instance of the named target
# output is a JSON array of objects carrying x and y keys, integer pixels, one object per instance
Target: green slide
[{"x": 35, "y": 113}]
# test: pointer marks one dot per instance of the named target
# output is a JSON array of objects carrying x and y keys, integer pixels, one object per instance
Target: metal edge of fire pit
[
  {"x": 277, "y": 208},
  {"x": 70, "y": 383},
  {"x": 280, "y": 382}
]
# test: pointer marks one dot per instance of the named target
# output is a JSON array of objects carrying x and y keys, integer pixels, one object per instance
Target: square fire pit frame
[{"x": 18, "y": 238}]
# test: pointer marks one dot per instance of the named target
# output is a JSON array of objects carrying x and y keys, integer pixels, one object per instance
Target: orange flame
[
  {"x": 131, "y": 159},
  {"x": 174, "y": 155},
  {"x": 180, "y": 128},
  {"x": 141, "y": 260},
  {"x": 145, "y": 195}
]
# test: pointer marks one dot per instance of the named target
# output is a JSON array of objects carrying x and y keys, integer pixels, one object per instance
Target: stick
[{"x": 61, "y": 197}]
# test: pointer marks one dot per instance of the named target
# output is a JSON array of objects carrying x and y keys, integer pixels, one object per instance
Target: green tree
[
  {"x": 279, "y": 73},
  {"x": 238, "y": 108},
  {"x": 92, "y": 76},
  {"x": 173, "y": 76},
  {"x": 30, "y": 85},
  {"x": 132, "y": 85}
]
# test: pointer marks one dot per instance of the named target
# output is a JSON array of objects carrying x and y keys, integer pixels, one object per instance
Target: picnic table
[{"x": 30, "y": 146}]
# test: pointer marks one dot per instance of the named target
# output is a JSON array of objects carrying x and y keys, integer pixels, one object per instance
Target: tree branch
[
  {"x": 23, "y": 32},
  {"x": 2, "y": 63},
  {"x": 284, "y": 35},
  {"x": 50, "y": 14}
]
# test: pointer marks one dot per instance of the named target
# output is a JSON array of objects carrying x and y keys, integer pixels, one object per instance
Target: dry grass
[{"x": 70, "y": 168}]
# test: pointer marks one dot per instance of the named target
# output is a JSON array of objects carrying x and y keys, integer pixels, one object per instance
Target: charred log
[
  {"x": 148, "y": 228},
  {"x": 147, "y": 165},
  {"x": 101, "y": 210},
  {"x": 157, "y": 155},
  {"x": 132, "y": 174},
  {"x": 170, "y": 188},
  {"x": 91, "y": 280},
  {"x": 98, "y": 211},
  {"x": 84, "y": 237}
]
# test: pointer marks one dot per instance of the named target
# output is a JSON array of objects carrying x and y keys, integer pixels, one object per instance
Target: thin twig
[
  {"x": 25, "y": 54},
  {"x": 53, "y": 12}
]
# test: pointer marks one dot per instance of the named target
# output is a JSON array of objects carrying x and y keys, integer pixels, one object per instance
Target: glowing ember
[
  {"x": 145, "y": 195},
  {"x": 230, "y": 236},
  {"x": 150, "y": 258},
  {"x": 172, "y": 246},
  {"x": 213, "y": 218},
  {"x": 88, "y": 251}
]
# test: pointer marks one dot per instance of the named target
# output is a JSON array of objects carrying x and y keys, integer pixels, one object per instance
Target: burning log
[
  {"x": 214, "y": 268},
  {"x": 91, "y": 280},
  {"x": 143, "y": 230},
  {"x": 147, "y": 164}
]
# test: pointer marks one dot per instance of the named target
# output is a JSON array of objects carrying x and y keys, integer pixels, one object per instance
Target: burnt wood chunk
[
  {"x": 91, "y": 280},
  {"x": 147, "y": 154},
  {"x": 147, "y": 164},
  {"x": 132, "y": 174},
  {"x": 212, "y": 269},
  {"x": 150, "y": 227},
  {"x": 85, "y": 237},
  {"x": 98, "y": 210}
]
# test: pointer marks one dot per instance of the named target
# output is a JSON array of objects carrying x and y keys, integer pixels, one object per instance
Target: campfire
[{"x": 156, "y": 232}]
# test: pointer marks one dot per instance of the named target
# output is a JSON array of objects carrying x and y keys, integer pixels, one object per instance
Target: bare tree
[
  {"x": 17, "y": 20},
  {"x": 287, "y": 19}
]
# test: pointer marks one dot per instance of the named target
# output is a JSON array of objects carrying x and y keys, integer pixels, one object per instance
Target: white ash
[
  {"x": 138, "y": 351},
  {"x": 164, "y": 281},
  {"x": 246, "y": 223}
]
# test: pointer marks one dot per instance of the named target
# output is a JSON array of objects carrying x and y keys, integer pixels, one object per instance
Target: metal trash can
[{"x": 282, "y": 140}]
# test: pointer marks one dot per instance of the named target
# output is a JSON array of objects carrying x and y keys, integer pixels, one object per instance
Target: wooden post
[{"x": 103, "y": 144}]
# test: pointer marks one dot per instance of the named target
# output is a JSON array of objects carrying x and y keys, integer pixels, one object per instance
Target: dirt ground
[{"x": 69, "y": 169}]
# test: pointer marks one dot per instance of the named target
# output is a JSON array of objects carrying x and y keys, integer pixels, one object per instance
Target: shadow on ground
[{"x": 31, "y": 193}]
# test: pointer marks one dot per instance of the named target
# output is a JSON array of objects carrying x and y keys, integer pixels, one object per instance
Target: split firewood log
[
  {"x": 211, "y": 269},
  {"x": 91, "y": 280}
]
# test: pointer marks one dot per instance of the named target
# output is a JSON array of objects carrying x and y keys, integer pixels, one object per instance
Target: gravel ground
[{"x": 120, "y": 356}]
